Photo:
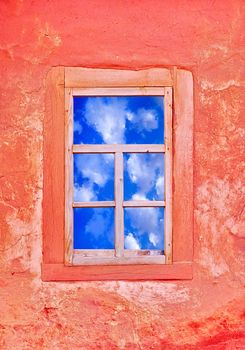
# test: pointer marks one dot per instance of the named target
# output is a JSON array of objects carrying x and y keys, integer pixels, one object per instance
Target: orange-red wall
[{"x": 202, "y": 36}]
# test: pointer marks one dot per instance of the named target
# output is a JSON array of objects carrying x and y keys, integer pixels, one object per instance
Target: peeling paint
[
  {"x": 215, "y": 212},
  {"x": 207, "y": 85},
  {"x": 151, "y": 294}
]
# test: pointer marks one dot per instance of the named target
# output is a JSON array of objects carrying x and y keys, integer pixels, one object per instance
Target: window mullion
[
  {"x": 119, "y": 219},
  {"x": 168, "y": 175},
  {"x": 68, "y": 177}
]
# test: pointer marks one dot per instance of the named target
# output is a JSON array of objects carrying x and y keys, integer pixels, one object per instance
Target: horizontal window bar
[
  {"x": 105, "y": 253},
  {"x": 143, "y": 203},
  {"x": 95, "y": 252},
  {"x": 118, "y": 148},
  {"x": 101, "y": 204},
  {"x": 137, "y": 260},
  {"x": 130, "y": 91},
  {"x": 93, "y": 204},
  {"x": 141, "y": 252}
]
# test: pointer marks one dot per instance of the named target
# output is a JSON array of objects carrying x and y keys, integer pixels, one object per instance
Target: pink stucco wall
[{"x": 202, "y": 36}]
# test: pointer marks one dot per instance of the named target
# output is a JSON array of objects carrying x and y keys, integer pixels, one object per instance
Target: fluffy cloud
[
  {"x": 77, "y": 127},
  {"x": 146, "y": 221},
  {"x": 143, "y": 219},
  {"x": 84, "y": 193},
  {"x": 108, "y": 117},
  {"x": 97, "y": 225},
  {"x": 144, "y": 119},
  {"x": 138, "y": 197},
  {"x": 98, "y": 168},
  {"x": 153, "y": 238},
  {"x": 131, "y": 242},
  {"x": 101, "y": 224},
  {"x": 160, "y": 186},
  {"x": 146, "y": 172}
]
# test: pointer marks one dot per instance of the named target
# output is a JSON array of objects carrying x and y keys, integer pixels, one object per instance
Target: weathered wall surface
[{"x": 203, "y": 36}]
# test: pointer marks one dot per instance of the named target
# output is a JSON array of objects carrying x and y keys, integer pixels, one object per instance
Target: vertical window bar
[
  {"x": 68, "y": 177},
  {"x": 119, "y": 221},
  {"x": 168, "y": 175}
]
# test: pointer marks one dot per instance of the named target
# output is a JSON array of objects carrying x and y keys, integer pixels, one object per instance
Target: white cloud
[
  {"x": 138, "y": 196},
  {"x": 144, "y": 170},
  {"x": 108, "y": 158},
  {"x": 145, "y": 119},
  {"x": 97, "y": 168},
  {"x": 77, "y": 127},
  {"x": 100, "y": 224},
  {"x": 84, "y": 193},
  {"x": 97, "y": 225},
  {"x": 130, "y": 116},
  {"x": 153, "y": 238},
  {"x": 131, "y": 242},
  {"x": 143, "y": 219},
  {"x": 147, "y": 221},
  {"x": 108, "y": 117},
  {"x": 160, "y": 186}
]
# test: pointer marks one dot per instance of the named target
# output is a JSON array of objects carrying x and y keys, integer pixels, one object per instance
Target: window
[
  {"x": 119, "y": 138},
  {"x": 118, "y": 175}
]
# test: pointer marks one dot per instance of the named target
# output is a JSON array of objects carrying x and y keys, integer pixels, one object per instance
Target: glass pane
[
  {"x": 93, "y": 177},
  {"x": 114, "y": 120},
  {"x": 144, "y": 228},
  {"x": 143, "y": 176},
  {"x": 93, "y": 228}
]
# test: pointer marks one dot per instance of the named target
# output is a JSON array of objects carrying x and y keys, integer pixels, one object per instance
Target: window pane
[
  {"x": 144, "y": 176},
  {"x": 93, "y": 228},
  {"x": 115, "y": 120},
  {"x": 144, "y": 228},
  {"x": 93, "y": 177}
]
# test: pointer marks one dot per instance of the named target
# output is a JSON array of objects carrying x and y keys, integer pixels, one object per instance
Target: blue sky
[
  {"x": 111, "y": 120},
  {"x": 114, "y": 120}
]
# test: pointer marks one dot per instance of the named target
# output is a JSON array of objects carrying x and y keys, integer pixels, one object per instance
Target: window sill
[{"x": 59, "y": 272}]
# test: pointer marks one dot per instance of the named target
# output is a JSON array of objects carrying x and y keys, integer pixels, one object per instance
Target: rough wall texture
[{"x": 203, "y": 36}]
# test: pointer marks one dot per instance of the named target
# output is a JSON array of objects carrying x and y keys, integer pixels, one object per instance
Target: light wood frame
[
  {"x": 62, "y": 84},
  {"x": 119, "y": 255}
]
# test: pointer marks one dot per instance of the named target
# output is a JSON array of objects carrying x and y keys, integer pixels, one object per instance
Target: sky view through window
[{"x": 115, "y": 120}]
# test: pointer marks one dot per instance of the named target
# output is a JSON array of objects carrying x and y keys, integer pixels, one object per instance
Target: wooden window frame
[
  {"x": 119, "y": 255},
  {"x": 60, "y": 261}
]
